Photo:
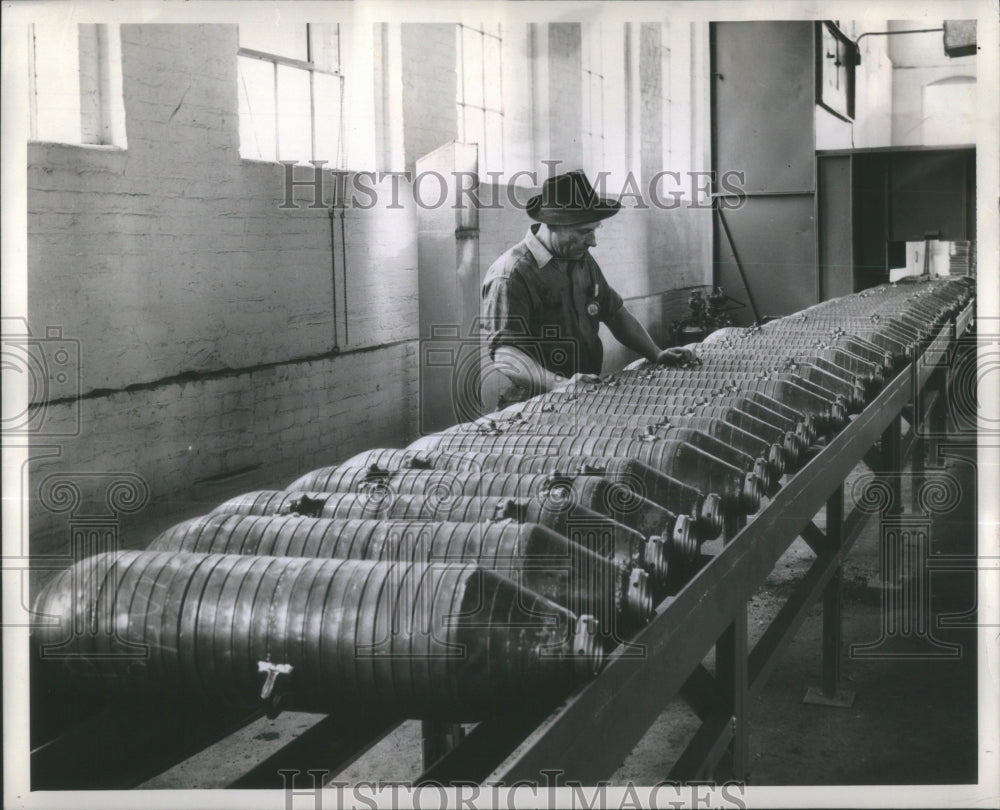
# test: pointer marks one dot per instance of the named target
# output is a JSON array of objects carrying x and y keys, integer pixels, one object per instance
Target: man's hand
[
  {"x": 575, "y": 380},
  {"x": 676, "y": 357}
]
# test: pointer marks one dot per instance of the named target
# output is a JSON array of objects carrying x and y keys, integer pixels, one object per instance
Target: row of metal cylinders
[{"x": 497, "y": 560}]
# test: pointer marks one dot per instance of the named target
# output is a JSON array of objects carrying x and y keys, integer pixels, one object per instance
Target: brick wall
[
  {"x": 204, "y": 312},
  {"x": 430, "y": 117},
  {"x": 217, "y": 353}
]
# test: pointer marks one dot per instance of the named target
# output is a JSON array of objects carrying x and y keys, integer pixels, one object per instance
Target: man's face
[{"x": 573, "y": 241}]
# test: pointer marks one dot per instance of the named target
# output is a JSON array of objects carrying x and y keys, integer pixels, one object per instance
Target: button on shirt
[{"x": 548, "y": 307}]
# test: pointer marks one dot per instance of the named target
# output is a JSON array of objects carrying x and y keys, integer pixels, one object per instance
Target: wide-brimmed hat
[{"x": 569, "y": 199}]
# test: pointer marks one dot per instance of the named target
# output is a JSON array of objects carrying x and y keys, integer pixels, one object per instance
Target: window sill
[
  {"x": 97, "y": 147},
  {"x": 327, "y": 167}
]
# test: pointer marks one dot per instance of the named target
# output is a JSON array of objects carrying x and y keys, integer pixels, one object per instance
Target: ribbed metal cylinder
[
  {"x": 830, "y": 383},
  {"x": 640, "y": 479},
  {"x": 791, "y": 393},
  {"x": 713, "y": 444},
  {"x": 436, "y": 641},
  {"x": 740, "y": 491},
  {"x": 539, "y": 558},
  {"x": 677, "y": 497},
  {"x": 598, "y": 533},
  {"x": 754, "y": 403},
  {"x": 595, "y": 493},
  {"x": 737, "y": 427},
  {"x": 831, "y": 358}
]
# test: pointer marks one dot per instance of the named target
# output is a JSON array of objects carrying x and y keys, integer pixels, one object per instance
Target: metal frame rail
[{"x": 596, "y": 727}]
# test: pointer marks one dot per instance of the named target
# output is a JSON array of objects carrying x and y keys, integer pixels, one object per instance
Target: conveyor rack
[{"x": 123, "y": 745}]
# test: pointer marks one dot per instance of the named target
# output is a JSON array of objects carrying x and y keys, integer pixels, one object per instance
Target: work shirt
[{"x": 548, "y": 307}]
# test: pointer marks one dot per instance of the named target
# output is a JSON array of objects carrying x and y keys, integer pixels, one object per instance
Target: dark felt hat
[{"x": 569, "y": 199}]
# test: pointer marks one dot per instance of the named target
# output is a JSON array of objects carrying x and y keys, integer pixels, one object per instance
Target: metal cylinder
[
  {"x": 595, "y": 493},
  {"x": 805, "y": 340},
  {"x": 435, "y": 641},
  {"x": 754, "y": 403},
  {"x": 828, "y": 382},
  {"x": 677, "y": 497},
  {"x": 792, "y": 393},
  {"x": 640, "y": 481},
  {"x": 750, "y": 455},
  {"x": 604, "y": 536},
  {"x": 740, "y": 491},
  {"x": 538, "y": 558},
  {"x": 750, "y": 434},
  {"x": 833, "y": 359}
]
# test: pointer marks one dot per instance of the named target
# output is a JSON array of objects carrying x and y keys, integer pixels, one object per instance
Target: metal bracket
[{"x": 273, "y": 671}]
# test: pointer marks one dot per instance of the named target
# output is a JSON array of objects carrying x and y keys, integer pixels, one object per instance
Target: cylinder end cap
[
  {"x": 638, "y": 598},
  {"x": 655, "y": 556}
]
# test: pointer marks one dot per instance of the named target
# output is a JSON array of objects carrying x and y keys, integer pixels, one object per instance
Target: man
[{"x": 545, "y": 298}]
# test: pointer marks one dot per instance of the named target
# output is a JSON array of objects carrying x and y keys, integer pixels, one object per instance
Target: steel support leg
[
  {"x": 731, "y": 674},
  {"x": 917, "y": 464},
  {"x": 937, "y": 419},
  {"x": 831, "y": 694},
  {"x": 438, "y": 739},
  {"x": 891, "y": 465}
]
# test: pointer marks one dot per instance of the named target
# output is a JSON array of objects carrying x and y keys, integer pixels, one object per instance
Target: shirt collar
[{"x": 541, "y": 253}]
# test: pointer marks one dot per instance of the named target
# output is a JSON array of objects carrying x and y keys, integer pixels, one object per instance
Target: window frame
[
  {"x": 311, "y": 68},
  {"x": 486, "y": 148},
  {"x": 98, "y": 107}
]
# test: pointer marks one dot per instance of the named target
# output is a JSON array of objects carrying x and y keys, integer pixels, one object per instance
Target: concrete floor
[{"x": 913, "y": 721}]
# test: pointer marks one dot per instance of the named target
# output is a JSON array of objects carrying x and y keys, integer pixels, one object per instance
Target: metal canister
[
  {"x": 450, "y": 642},
  {"x": 537, "y": 557}
]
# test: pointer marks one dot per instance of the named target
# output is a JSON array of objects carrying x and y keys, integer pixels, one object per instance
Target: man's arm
[
  {"x": 520, "y": 368},
  {"x": 633, "y": 335}
]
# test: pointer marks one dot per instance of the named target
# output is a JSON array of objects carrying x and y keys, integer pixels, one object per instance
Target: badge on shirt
[{"x": 592, "y": 307}]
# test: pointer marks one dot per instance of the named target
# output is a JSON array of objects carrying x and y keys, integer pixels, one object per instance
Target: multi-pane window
[
  {"x": 291, "y": 91},
  {"x": 480, "y": 93},
  {"x": 75, "y": 84},
  {"x": 592, "y": 62}
]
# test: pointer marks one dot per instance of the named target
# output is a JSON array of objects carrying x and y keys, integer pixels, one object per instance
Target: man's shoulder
[{"x": 516, "y": 261}]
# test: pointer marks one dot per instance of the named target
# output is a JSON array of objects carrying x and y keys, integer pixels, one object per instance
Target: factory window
[
  {"x": 479, "y": 91},
  {"x": 291, "y": 92},
  {"x": 592, "y": 119},
  {"x": 75, "y": 84}
]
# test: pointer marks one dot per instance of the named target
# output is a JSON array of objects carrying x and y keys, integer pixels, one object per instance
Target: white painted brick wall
[
  {"x": 173, "y": 258},
  {"x": 285, "y": 420},
  {"x": 430, "y": 114}
]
